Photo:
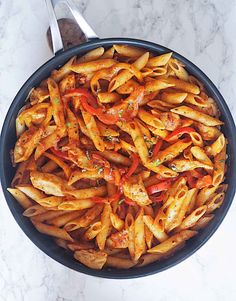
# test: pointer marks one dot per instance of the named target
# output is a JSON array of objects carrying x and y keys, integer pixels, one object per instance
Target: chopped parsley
[
  {"x": 157, "y": 162},
  {"x": 68, "y": 124},
  {"x": 56, "y": 101},
  {"x": 120, "y": 112}
]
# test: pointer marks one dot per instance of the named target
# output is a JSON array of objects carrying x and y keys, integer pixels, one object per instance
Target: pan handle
[{"x": 55, "y": 32}]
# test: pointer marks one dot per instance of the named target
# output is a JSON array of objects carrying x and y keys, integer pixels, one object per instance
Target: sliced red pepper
[
  {"x": 204, "y": 182},
  {"x": 129, "y": 202},
  {"x": 103, "y": 117},
  {"x": 82, "y": 92},
  {"x": 157, "y": 148},
  {"x": 99, "y": 200},
  {"x": 134, "y": 165},
  {"x": 164, "y": 185},
  {"x": 178, "y": 133},
  {"x": 60, "y": 154}
]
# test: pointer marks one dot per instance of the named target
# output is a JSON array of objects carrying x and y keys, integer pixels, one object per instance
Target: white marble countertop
[{"x": 201, "y": 30}]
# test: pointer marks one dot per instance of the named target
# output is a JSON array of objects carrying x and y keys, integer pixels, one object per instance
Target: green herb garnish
[{"x": 56, "y": 101}]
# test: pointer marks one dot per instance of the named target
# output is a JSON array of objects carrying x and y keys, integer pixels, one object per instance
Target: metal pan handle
[{"x": 57, "y": 43}]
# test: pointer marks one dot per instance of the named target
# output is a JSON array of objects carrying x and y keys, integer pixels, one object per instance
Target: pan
[{"x": 8, "y": 138}]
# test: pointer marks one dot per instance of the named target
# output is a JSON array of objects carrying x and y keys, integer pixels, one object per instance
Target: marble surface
[{"x": 201, "y": 30}]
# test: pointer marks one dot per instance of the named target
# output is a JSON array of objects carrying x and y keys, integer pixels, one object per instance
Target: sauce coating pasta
[{"x": 120, "y": 157}]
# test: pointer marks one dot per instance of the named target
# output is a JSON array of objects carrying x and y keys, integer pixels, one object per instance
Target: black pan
[{"x": 45, "y": 243}]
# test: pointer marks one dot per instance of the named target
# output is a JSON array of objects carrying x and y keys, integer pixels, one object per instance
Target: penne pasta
[
  {"x": 172, "y": 242},
  {"x": 195, "y": 115},
  {"x": 120, "y": 157},
  {"x": 52, "y": 231}
]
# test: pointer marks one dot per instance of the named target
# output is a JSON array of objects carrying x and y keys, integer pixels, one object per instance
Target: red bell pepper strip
[
  {"x": 129, "y": 202},
  {"x": 157, "y": 148},
  {"x": 134, "y": 165},
  {"x": 164, "y": 185},
  {"x": 60, "y": 154},
  {"x": 178, "y": 133},
  {"x": 82, "y": 92},
  {"x": 103, "y": 117}
]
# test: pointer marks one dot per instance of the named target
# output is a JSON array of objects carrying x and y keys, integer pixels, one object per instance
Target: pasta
[{"x": 120, "y": 157}]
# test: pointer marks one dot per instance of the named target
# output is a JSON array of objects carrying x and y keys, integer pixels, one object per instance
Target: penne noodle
[
  {"x": 108, "y": 54},
  {"x": 47, "y": 215},
  {"x": 219, "y": 167},
  {"x": 159, "y": 60},
  {"x": 198, "y": 116},
  {"x": 34, "y": 210},
  {"x": 126, "y": 75},
  {"x": 217, "y": 146},
  {"x": 173, "y": 98},
  {"x": 154, "y": 227},
  {"x": 139, "y": 235},
  {"x": 84, "y": 220},
  {"x": 21, "y": 198},
  {"x": 93, "y": 130},
  {"x": 201, "y": 155},
  {"x": 181, "y": 165},
  {"x": 76, "y": 204},
  {"x": 183, "y": 85},
  {"x": 93, "y": 231},
  {"x": 175, "y": 213},
  {"x": 52, "y": 231},
  {"x": 157, "y": 85},
  {"x": 150, "y": 119},
  {"x": 129, "y": 226},
  {"x": 92, "y": 55},
  {"x": 129, "y": 51},
  {"x": 35, "y": 194},
  {"x": 88, "y": 192},
  {"x": 57, "y": 75},
  {"x": 196, "y": 100},
  {"x": 204, "y": 195},
  {"x": 92, "y": 66},
  {"x": 119, "y": 263},
  {"x": 62, "y": 219},
  {"x": 172, "y": 242},
  {"x": 202, "y": 222},
  {"x": 105, "y": 226},
  {"x": 178, "y": 69},
  {"x": 215, "y": 202},
  {"x": 192, "y": 219},
  {"x": 116, "y": 222},
  {"x": 152, "y": 257},
  {"x": 172, "y": 151}
]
